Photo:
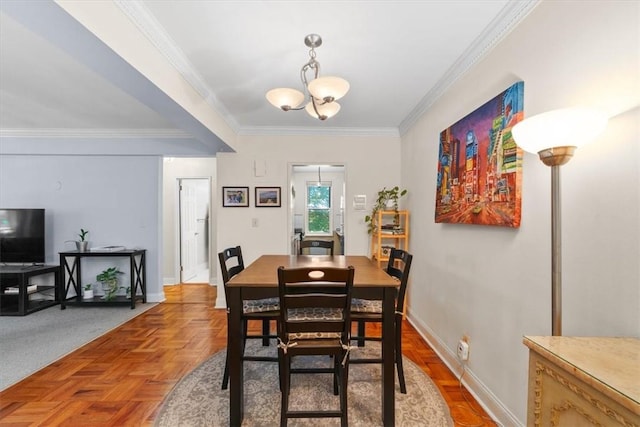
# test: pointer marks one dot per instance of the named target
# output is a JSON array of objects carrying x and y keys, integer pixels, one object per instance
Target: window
[{"x": 318, "y": 209}]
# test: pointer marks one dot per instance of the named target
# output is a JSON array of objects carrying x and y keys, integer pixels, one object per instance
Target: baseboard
[
  {"x": 489, "y": 402},
  {"x": 168, "y": 281},
  {"x": 155, "y": 297}
]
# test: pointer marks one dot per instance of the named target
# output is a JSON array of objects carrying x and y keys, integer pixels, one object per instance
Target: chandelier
[{"x": 321, "y": 92}]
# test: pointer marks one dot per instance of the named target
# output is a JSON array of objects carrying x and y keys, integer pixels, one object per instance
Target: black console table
[
  {"x": 18, "y": 296},
  {"x": 71, "y": 276}
]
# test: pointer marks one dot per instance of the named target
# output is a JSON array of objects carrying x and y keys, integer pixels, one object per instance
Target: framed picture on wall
[
  {"x": 268, "y": 197},
  {"x": 235, "y": 197}
]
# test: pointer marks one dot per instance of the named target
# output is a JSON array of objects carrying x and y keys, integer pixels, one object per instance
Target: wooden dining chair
[
  {"x": 267, "y": 309},
  {"x": 363, "y": 311},
  {"x": 308, "y": 244},
  {"x": 315, "y": 305}
]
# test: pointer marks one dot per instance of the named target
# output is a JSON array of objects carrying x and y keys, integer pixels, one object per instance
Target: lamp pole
[{"x": 556, "y": 253}]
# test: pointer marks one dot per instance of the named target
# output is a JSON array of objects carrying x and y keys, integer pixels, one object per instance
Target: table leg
[
  {"x": 236, "y": 379},
  {"x": 388, "y": 358}
]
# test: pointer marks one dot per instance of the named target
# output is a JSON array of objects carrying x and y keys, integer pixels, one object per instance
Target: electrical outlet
[{"x": 463, "y": 350}]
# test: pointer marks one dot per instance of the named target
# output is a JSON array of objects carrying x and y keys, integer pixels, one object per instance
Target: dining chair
[
  {"x": 363, "y": 311},
  {"x": 308, "y": 244},
  {"x": 315, "y": 305},
  {"x": 267, "y": 309}
]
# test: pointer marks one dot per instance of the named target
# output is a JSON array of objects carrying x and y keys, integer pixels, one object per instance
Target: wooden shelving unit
[{"x": 391, "y": 230}]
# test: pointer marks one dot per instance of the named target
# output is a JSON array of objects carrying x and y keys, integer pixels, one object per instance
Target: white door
[{"x": 194, "y": 230}]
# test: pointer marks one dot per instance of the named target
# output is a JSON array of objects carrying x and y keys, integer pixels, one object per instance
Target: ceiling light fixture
[{"x": 322, "y": 92}]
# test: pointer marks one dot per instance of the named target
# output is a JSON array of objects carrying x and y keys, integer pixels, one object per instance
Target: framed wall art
[
  {"x": 479, "y": 177},
  {"x": 268, "y": 197},
  {"x": 235, "y": 197}
]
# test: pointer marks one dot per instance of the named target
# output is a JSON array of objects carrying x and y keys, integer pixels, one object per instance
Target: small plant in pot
[
  {"x": 110, "y": 282},
  {"x": 88, "y": 291},
  {"x": 82, "y": 244},
  {"x": 387, "y": 200}
]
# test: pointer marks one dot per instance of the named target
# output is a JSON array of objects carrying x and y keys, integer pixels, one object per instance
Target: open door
[
  {"x": 317, "y": 204},
  {"x": 194, "y": 230}
]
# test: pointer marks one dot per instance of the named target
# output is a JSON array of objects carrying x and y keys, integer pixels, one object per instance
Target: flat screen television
[{"x": 22, "y": 236}]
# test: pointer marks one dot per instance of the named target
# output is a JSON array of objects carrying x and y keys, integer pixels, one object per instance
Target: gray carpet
[
  {"x": 197, "y": 399},
  {"x": 29, "y": 343}
]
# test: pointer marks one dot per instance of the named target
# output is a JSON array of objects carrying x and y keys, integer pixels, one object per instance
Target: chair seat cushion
[
  {"x": 312, "y": 313},
  {"x": 314, "y": 335},
  {"x": 366, "y": 306},
  {"x": 260, "y": 305}
]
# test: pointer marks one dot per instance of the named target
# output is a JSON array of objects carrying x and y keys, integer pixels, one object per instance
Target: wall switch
[{"x": 254, "y": 222}]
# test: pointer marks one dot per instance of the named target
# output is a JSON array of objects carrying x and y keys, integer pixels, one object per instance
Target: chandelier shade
[
  {"x": 285, "y": 98},
  {"x": 328, "y": 89},
  {"x": 320, "y": 92},
  {"x": 322, "y": 111}
]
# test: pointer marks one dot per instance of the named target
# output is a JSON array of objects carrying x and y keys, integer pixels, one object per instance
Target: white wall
[
  {"x": 494, "y": 283},
  {"x": 173, "y": 169},
  {"x": 116, "y": 198},
  {"x": 370, "y": 164}
]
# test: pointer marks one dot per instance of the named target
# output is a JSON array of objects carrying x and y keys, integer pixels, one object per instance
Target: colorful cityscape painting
[{"x": 480, "y": 166}]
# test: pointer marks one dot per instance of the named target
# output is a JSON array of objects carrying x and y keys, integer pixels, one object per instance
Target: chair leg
[
  {"x": 285, "y": 384},
  {"x": 344, "y": 376},
  {"x": 403, "y": 386},
  {"x": 361, "y": 334},
  {"x": 266, "y": 329},
  {"x": 225, "y": 375}
]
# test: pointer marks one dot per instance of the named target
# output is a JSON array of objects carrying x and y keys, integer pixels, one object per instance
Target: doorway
[
  {"x": 311, "y": 217},
  {"x": 194, "y": 208}
]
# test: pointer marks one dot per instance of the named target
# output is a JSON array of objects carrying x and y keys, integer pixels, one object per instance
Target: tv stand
[{"x": 28, "y": 298}]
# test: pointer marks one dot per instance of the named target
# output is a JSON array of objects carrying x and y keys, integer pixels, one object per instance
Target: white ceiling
[{"x": 397, "y": 55}]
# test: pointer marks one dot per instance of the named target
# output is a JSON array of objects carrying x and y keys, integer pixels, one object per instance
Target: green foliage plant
[
  {"x": 110, "y": 282},
  {"x": 83, "y": 234},
  {"x": 385, "y": 196}
]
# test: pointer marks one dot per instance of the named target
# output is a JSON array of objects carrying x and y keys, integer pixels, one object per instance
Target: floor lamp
[{"x": 554, "y": 136}]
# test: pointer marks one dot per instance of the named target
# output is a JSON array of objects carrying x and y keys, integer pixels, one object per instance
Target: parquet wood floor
[{"x": 121, "y": 378}]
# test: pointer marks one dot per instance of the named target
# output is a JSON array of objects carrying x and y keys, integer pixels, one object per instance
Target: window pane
[
  {"x": 318, "y": 197},
  {"x": 319, "y": 220}
]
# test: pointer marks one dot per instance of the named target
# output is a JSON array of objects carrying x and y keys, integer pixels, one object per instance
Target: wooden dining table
[{"x": 260, "y": 280}]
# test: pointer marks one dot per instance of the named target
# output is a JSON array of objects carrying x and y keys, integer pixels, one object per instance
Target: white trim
[
  {"x": 489, "y": 402},
  {"x": 93, "y": 133},
  {"x": 510, "y": 16},
  {"x": 314, "y": 130}
]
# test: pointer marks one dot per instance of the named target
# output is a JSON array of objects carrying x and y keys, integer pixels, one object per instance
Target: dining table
[{"x": 260, "y": 280}]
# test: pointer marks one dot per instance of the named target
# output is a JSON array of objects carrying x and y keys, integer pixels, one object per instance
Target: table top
[
  {"x": 609, "y": 364},
  {"x": 263, "y": 272}
]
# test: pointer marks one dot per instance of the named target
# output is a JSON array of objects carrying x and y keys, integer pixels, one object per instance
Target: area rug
[
  {"x": 29, "y": 343},
  {"x": 197, "y": 399}
]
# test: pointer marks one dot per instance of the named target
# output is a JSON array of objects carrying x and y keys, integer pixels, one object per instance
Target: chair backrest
[
  {"x": 324, "y": 294},
  {"x": 237, "y": 264},
  {"x": 325, "y": 244},
  {"x": 399, "y": 267}
]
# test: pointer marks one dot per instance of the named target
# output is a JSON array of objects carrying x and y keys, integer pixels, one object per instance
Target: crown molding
[
  {"x": 95, "y": 133},
  {"x": 157, "y": 35},
  {"x": 510, "y": 16},
  {"x": 318, "y": 131}
]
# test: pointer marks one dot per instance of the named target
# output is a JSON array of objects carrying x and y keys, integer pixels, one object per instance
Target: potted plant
[
  {"x": 88, "y": 292},
  {"x": 387, "y": 200},
  {"x": 110, "y": 282},
  {"x": 82, "y": 244}
]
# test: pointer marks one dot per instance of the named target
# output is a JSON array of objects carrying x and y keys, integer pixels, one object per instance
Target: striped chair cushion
[
  {"x": 260, "y": 305},
  {"x": 366, "y": 306}
]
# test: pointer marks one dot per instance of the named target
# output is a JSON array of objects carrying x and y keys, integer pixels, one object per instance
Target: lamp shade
[
  {"x": 567, "y": 127},
  {"x": 328, "y": 88},
  {"x": 285, "y": 98},
  {"x": 329, "y": 109}
]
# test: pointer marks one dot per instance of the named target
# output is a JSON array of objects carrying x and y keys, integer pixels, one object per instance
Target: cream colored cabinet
[{"x": 583, "y": 381}]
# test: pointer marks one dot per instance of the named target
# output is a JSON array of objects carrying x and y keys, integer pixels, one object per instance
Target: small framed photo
[
  {"x": 237, "y": 197},
  {"x": 268, "y": 197}
]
